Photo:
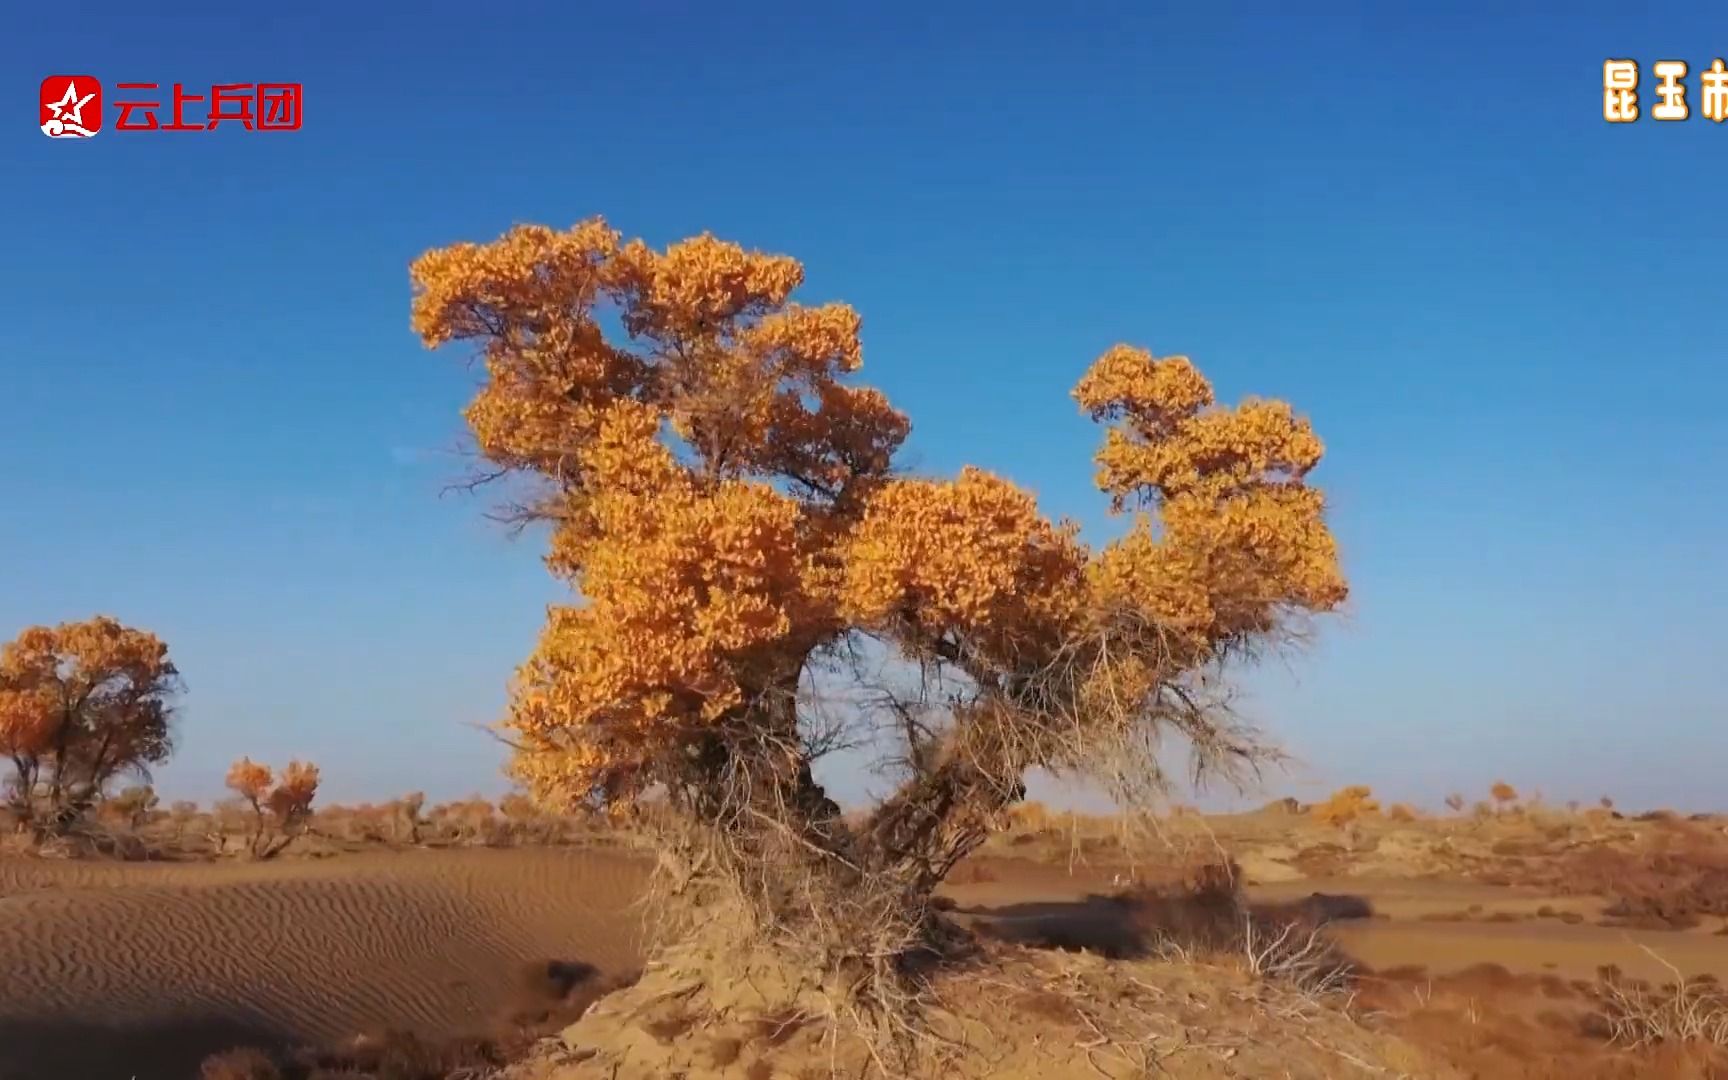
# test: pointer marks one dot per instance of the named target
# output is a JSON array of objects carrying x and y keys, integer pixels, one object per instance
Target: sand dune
[{"x": 130, "y": 970}]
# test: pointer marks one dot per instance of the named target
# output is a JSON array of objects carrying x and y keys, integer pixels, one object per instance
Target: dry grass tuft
[
  {"x": 1637, "y": 1016},
  {"x": 1294, "y": 955}
]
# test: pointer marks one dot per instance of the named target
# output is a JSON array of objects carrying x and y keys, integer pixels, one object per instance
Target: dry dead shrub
[
  {"x": 525, "y": 821},
  {"x": 131, "y": 808},
  {"x": 1637, "y": 1015},
  {"x": 228, "y": 819},
  {"x": 464, "y": 822},
  {"x": 1346, "y": 805},
  {"x": 405, "y": 816},
  {"x": 361, "y": 823},
  {"x": 1296, "y": 954},
  {"x": 1672, "y": 880},
  {"x": 1670, "y": 892},
  {"x": 1402, "y": 813},
  {"x": 242, "y": 1063},
  {"x": 1199, "y": 916},
  {"x": 1489, "y": 1023},
  {"x": 1288, "y": 946},
  {"x": 183, "y": 814}
]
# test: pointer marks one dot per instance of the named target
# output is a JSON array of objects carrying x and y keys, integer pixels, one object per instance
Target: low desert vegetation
[
  {"x": 1682, "y": 1011},
  {"x": 1347, "y": 805},
  {"x": 281, "y": 821}
]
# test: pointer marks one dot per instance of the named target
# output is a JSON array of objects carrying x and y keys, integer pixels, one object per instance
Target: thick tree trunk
[
  {"x": 935, "y": 821},
  {"x": 750, "y": 784}
]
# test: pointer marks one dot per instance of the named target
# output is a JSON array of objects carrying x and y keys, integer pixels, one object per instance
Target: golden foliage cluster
[
  {"x": 250, "y": 780},
  {"x": 281, "y": 805},
  {"x": 724, "y": 502},
  {"x": 80, "y": 703},
  {"x": 1345, "y": 805}
]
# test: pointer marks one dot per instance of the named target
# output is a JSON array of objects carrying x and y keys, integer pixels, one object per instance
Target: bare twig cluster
[
  {"x": 1684, "y": 1011},
  {"x": 1297, "y": 955}
]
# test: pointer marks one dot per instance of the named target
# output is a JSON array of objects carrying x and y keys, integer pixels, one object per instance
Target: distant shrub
[
  {"x": 465, "y": 821},
  {"x": 182, "y": 812},
  {"x": 1503, "y": 793},
  {"x": 1402, "y": 812},
  {"x": 405, "y": 815},
  {"x": 132, "y": 807},
  {"x": 1346, "y": 805}
]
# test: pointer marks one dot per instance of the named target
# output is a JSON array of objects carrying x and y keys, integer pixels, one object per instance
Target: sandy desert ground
[
  {"x": 128, "y": 969},
  {"x": 1479, "y": 940}
]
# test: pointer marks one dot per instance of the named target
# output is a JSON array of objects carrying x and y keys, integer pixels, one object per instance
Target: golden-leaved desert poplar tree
[
  {"x": 722, "y": 499},
  {"x": 281, "y": 805},
  {"x": 81, "y": 703}
]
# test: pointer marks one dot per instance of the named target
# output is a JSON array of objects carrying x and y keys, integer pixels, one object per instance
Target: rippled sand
[{"x": 123, "y": 970}]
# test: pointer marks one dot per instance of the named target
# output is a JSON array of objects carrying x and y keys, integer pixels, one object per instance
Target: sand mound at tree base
[{"x": 1010, "y": 1013}]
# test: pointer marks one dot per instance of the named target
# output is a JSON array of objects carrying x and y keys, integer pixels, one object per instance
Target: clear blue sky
[{"x": 1506, "y": 317}]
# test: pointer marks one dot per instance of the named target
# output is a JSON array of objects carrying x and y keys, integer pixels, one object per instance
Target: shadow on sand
[
  {"x": 547, "y": 996},
  {"x": 165, "y": 1050},
  {"x": 1132, "y": 925}
]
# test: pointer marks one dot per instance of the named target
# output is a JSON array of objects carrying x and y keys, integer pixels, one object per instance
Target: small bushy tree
[
  {"x": 81, "y": 704},
  {"x": 281, "y": 808},
  {"x": 1504, "y": 794}
]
